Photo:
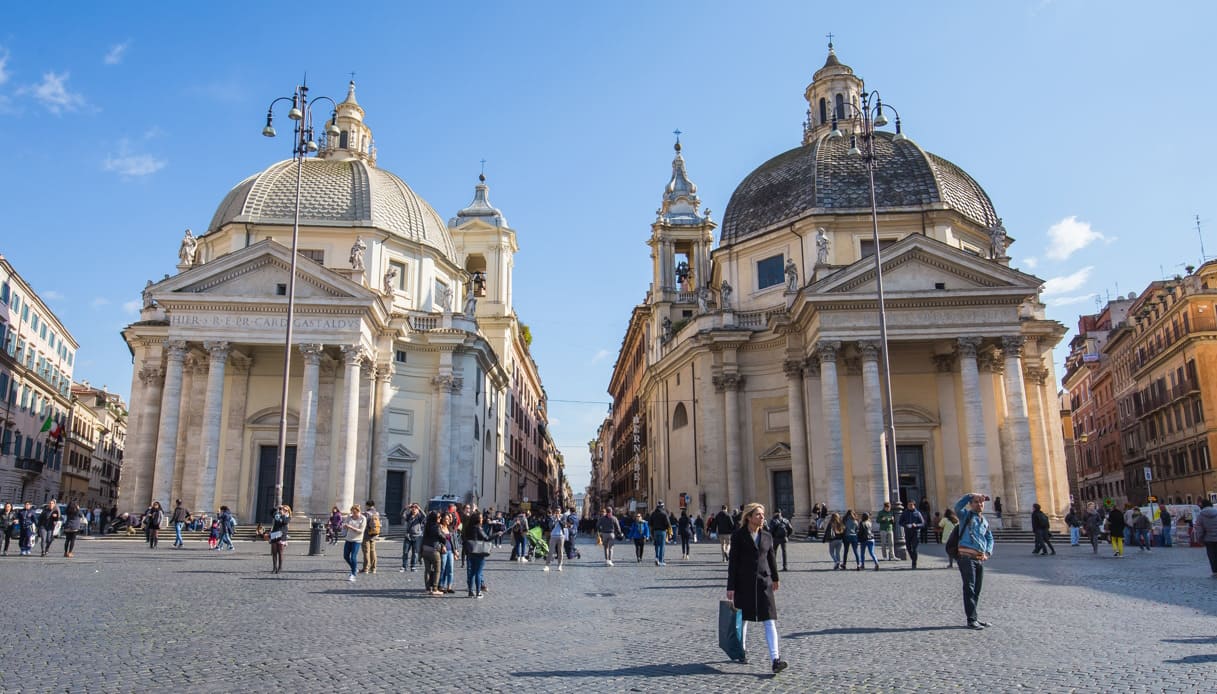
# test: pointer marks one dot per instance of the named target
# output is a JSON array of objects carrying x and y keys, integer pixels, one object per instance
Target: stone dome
[
  {"x": 335, "y": 193},
  {"x": 820, "y": 178}
]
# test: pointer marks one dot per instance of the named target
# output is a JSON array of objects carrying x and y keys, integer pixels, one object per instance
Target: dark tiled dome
[{"x": 821, "y": 177}]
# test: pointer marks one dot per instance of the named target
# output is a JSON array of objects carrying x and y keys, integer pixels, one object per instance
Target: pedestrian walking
[
  {"x": 557, "y": 538},
  {"x": 724, "y": 526},
  {"x": 228, "y": 524},
  {"x": 1041, "y": 529},
  {"x": 834, "y": 532},
  {"x": 684, "y": 528},
  {"x": 519, "y": 533},
  {"x": 752, "y": 580},
  {"x": 180, "y": 517},
  {"x": 608, "y": 530},
  {"x": 1141, "y": 526},
  {"x": 46, "y": 525},
  {"x": 213, "y": 535},
  {"x": 780, "y": 529},
  {"x": 913, "y": 523},
  {"x": 866, "y": 540},
  {"x": 661, "y": 529},
  {"x": 335, "y": 531},
  {"x": 9, "y": 525},
  {"x": 887, "y": 531},
  {"x": 278, "y": 537},
  {"x": 1116, "y": 528},
  {"x": 73, "y": 524},
  {"x": 153, "y": 520},
  {"x": 997, "y": 506},
  {"x": 476, "y": 548},
  {"x": 432, "y": 542},
  {"x": 639, "y": 532},
  {"x": 699, "y": 528},
  {"x": 925, "y": 509},
  {"x": 353, "y": 526},
  {"x": 1093, "y": 522},
  {"x": 945, "y": 526},
  {"x": 447, "y": 551},
  {"x": 975, "y": 548},
  {"x": 414, "y": 521},
  {"x": 850, "y": 521},
  {"x": 1168, "y": 525},
  {"x": 371, "y": 533},
  {"x": 1205, "y": 529},
  {"x": 27, "y": 519},
  {"x": 937, "y": 528},
  {"x": 1073, "y": 521}
]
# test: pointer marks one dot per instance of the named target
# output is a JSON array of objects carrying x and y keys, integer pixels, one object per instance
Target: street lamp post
[
  {"x": 301, "y": 114},
  {"x": 865, "y": 119}
]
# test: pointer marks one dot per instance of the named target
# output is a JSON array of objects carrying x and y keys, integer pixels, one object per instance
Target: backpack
[
  {"x": 374, "y": 524},
  {"x": 953, "y": 540}
]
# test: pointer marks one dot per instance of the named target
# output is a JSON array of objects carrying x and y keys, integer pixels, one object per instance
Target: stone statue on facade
[
  {"x": 471, "y": 302},
  {"x": 390, "y": 278},
  {"x": 357, "y": 251},
  {"x": 443, "y": 298},
  {"x": 703, "y": 300},
  {"x": 146, "y": 295},
  {"x": 188, "y": 249},
  {"x": 997, "y": 241},
  {"x": 821, "y": 247},
  {"x": 667, "y": 329},
  {"x": 724, "y": 295},
  {"x": 792, "y": 276}
]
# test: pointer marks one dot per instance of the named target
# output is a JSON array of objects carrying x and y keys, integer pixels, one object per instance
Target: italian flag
[{"x": 55, "y": 428}]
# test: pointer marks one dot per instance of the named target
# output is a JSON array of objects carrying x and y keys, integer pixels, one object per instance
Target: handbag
[
  {"x": 730, "y": 630},
  {"x": 480, "y": 547},
  {"x": 275, "y": 535}
]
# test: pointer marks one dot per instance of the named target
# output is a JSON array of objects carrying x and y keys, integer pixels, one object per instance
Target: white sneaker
[
  {"x": 656, "y": 562},
  {"x": 351, "y": 578},
  {"x": 545, "y": 569},
  {"x": 559, "y": 568},
  {"x": 609, "y": 562},
  {"x": 523, "y": 560}
]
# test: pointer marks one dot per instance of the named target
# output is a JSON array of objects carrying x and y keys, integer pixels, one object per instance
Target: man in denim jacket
[{"x": 975, "y": 548}]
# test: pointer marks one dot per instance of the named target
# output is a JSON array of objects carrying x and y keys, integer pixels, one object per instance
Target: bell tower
[
  {"x": 832, "y": 91},
  {"x": 486, "y": 246},
  {"x": 681, "y": 237},
  {"x": 354, "y": 139}
]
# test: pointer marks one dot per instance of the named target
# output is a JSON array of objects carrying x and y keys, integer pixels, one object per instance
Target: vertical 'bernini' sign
[{"x": 637, "y": 449}]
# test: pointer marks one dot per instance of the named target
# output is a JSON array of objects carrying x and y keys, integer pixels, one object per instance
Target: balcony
[{"x": 29, "y": 467}]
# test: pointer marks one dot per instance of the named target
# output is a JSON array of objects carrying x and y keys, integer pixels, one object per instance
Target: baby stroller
[{"x": 537, "y": 547}]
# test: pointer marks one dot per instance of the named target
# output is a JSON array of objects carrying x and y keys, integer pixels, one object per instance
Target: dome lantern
[
  {"x": 349, "y": 137},
  {"x": 833, "y": 89}
]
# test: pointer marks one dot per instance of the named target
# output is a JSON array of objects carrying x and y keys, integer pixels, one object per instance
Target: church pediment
[
  {"x": 260, "y": 271},
  {"x": 403, "y": 454},
  {"x": 920, "y": 264},
  {"x": 778, "y": 451}
]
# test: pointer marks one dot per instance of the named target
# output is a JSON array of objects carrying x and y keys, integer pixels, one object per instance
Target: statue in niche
[
  {"x": 188, "y": 249},
  {"x": 667, "y": 329},
  {"x": 724, "y": 295},
  {"x": 357, "y": 251},
  {"x": 443, "y": 298},
  {"x": 703, "y": 300},
  {"x": 821, "y": 247},
  {"x": 390, "y": 281},
  {"x": 792, "y": 276},
  {"x": 997, "y": 240}
]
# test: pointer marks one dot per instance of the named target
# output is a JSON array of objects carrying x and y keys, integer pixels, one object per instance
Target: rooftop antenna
[
  {"x": 1098, "y": 303},
  {"x": 1203, "y": 258}
]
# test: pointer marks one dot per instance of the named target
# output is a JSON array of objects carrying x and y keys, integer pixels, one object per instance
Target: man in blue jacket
[{"x": 975, "y": 548}]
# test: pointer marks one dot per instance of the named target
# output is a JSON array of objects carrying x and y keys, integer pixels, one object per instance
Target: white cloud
[
  {"x": 100, "y": 301},
  {"x": 130, "y": 164},
  {"x": 1031, "y": 262},
  {"x": 1069, "y": 236},
  {"x": 53, "y": 93},
  {"x": 133, "y": 306},
  {"x": 3, "y": 65},
  {"x": 1067, "y": 283},
  {"x": 600, "y": 356},
  {"x": 52, "y": 295},
  {"x": 1067, "y": 300},
  {"x": 115, "y": 55}
]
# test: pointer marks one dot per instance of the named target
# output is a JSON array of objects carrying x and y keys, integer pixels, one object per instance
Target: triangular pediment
[
  {"x": 918, "y": 263},
  {"x": 778, "y": 451},
  {"x": 400, "y": 452},
  {"x": 257, "y": 272}
]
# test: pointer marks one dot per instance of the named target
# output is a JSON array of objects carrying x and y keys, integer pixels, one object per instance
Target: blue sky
[{"x": 125, "y": 125}]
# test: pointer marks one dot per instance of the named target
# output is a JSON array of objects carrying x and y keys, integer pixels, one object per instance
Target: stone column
[
  {"x": 1034, "y": 375},
  {"x": 441, "y": 461},
  {"x": 800, "y": 471},
  {"x": 872, "y": 399},
  {"x": 729, "y": 385},
  {"x": 352, "y": 355},
  {"x": 137, "y": 479},
  {"x": 213, "y": 412},
  {"x": 813, "y": 411},
  {"x": 380, "y": 448},
  {"x": 1019, "y": 473},
  {"x": 974, "y": 419},
  {"x": 834, "y": 451},
  {"x": 166, "y": 436},
  {"x": 306, "y": 431},
  {"x": 229, "y": 489},
  {"x": 188, "y": 473}
]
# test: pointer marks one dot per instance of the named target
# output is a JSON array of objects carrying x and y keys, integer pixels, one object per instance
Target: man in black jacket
[
  {"x": 1039, "y": 526},
  {"x": 724, "y": 526},
  {"x": 780, "y": 529},
  {"x": 181, "y": 515},
  {"x": 660, "y": 525}
]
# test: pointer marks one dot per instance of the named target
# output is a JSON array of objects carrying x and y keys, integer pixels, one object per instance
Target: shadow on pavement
[
  {"x": 1192, "y": 639},
  {"x": 658, "y": 670},
  {"x": 1194, "y": 659},
  {"x": 870, "y": 630}
]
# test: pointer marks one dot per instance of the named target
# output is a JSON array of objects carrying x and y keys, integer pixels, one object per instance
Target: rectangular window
[
  {"x": 399, "y": 356},
  {"x": 866, "y": 247},
  {"x": 316, "y": 255},
  {"x": 4, "y": 291},
  {"x": 25, "y": 314},
  {"x": 35, "y": 322},
  {"x": 399, "y": 283},
  {"x": 770, "y": 271}
]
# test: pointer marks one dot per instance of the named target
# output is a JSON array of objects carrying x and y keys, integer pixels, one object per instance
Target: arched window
[
  {"x": 680, "y": 417},
  {"x": 840, "y": 107},
  {"x": 344, "y": 140},
  {"x": 823, "y": 111}
]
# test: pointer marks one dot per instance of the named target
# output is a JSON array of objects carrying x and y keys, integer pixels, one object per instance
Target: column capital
[
  {"x": 447, "y": 382},
  {"x": 827, "y": 350},
  {"x": 150, "y": 375},
  {"x": 811, "y": 366},
  {"x": 728, "y": 381},
  {"x": 1035, "y": 374},
  {"x": 241, "y": 363},
  {"x": 218, "y": 350},
  {"x": 352, "y": 354},
  {"x": 944, "y": 363},
  {"x": 1012, "y": 345},
  {"x": 311, "y": 353},
  {"x": 384, "y": 373},
  {"x": 870, "y": 349},
  {"x": 175, "y": 349},
  {"x": 793, "y": 368},
  {"x": 968, "y": 346},
  {"x": 991, "y": 361}
]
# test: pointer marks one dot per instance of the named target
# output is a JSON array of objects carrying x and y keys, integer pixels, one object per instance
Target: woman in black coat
[{"x": 752, "y": 578}]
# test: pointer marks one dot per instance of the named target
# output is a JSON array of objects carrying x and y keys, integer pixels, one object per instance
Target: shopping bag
[{"x": 730, "y": 630}]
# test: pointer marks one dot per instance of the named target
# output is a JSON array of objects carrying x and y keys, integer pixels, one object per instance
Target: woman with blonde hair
[
  {"x": 834, "y": 535},
  {"x": 278, "y": 537},
  {"x": 752, "y": 579}
]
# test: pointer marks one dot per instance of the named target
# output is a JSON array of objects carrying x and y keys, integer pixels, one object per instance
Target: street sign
[{"x": 1149, "y": 474}]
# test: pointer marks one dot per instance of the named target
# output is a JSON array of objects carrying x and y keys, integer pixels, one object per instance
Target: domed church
[
  {"x": 407, "y": 358},
  {"x": 763, "y": 377}
]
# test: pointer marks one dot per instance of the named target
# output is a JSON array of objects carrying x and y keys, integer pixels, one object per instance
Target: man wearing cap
[
  {"x": 975, "y": 548},
  {"x": 661, "y": 525},
  {"x": 415, "y": 523}
]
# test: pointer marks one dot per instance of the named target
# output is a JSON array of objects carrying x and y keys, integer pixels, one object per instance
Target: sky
[{"x": 127, "y": 124}]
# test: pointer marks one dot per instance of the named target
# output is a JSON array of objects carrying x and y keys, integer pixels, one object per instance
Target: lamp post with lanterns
[
  {"x": 303, "y": 144},
  {"x": 862, "y": 120}
]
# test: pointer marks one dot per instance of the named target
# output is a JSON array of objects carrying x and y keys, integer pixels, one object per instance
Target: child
[{"x": 214, "y": 537}]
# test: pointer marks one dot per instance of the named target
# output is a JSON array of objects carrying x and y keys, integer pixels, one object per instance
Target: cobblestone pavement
[{"x": 122, "y": 618}]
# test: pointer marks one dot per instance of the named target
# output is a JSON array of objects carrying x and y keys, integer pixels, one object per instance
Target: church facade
[
  {"x": 762, "y": 379},
  {"x": 406, "y": 359}
]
